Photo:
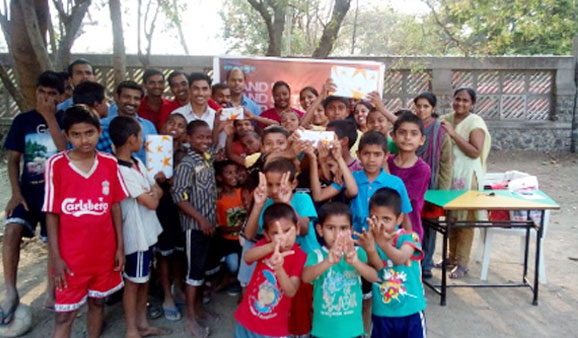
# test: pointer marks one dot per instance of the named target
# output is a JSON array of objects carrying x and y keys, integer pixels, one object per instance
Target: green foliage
[
  {"x": 243, "y": 28},
  {"x": 458, "y": 27},
  {"x": 505, "y": 27}
]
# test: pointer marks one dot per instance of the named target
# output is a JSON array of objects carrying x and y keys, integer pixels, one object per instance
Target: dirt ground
[{"x": 485, "y": 312}]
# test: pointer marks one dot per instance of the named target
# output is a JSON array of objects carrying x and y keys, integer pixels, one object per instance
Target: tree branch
[{"x": 457, "y": 41}]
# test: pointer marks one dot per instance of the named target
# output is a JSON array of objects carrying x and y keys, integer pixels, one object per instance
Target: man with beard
[
  {"x": 153, "y": 106},
  {"x": 179, "y": 85},
  {"x": 128, "y": 97}
]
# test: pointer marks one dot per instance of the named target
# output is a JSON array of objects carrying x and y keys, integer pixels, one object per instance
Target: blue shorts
[
  {"x": 412, "y": 326},
  {"x": 34, "y": 197},
  {"x": 242, "y": 332},
  {"x": 138, "y": 266}
]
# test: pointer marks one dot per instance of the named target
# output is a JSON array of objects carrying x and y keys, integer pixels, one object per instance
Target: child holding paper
[
  {"x": 170, "y": 246},
  {"x": 141, "y": 226}
]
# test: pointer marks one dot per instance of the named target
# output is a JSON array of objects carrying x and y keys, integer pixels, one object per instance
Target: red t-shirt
[
  {"x": 213, "y": 104},
  {"x": 265, "y": 309},
  {"x": 83, "y": 203},
  {"x": 239, "y": 149},
  {"x": 157, "y": 118}
]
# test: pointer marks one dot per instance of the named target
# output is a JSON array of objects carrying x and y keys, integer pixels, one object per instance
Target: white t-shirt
[{"x": 141, "y": 226}]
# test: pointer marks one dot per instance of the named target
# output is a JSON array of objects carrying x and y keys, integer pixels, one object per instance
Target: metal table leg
[
  {"x": 538, "y": 248},
  {"x": 444, "y": 264}
]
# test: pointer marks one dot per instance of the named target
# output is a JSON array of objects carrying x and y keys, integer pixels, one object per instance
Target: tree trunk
[
  {"x": 36, "y": 23},
  {"x": 275, "y": 25},
  {"x": 118, "y": 50},
  {"x": 12, "y": 89},
  {"x": 276, "y": 32},
  {"x": 72, "y": 23},
  {"x": 332, "y": 29},
  {"x": 26, "y": 66}
]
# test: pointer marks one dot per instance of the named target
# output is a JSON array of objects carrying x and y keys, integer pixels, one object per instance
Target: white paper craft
[
  {"x": 235, "y": 113},
  {"x": 354, "y": 82},
  {"x": 159, "y": 152},
  {"x": 316, "y": 136}
]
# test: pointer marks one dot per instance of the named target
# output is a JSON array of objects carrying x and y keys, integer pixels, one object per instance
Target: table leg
[
  {"x": 444, "y": 263},
  {"x": 538, "y": 248},
  {"x": 526, "y": 251}
]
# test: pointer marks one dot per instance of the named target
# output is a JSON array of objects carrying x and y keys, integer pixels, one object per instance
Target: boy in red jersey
[{"x": 83, "y": 191}]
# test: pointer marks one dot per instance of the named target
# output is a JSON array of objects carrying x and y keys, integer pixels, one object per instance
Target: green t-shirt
[
  {"x": 400, "y": 292},
  {"x": 337, "y": 297}
]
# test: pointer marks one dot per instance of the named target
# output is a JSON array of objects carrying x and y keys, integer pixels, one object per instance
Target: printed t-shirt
[
  {"x": 231, "y": 212},
  {"x": 360, "y": 203},
  {"x": 265, "y": 308},
  {"x": 140, "y": 225},
  {"x": 304, "y": 207},
  {"x": 29, "y": 135},
  {"x": 337, "y": 297},
  {"x": 401, "y": 291},
  {"x": 416, "y": 180},
  {"x": 83, "y": 202}
]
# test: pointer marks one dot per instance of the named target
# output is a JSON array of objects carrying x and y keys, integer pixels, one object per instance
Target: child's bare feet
[
  {"x": 207, "y": 317},
  {"x": 132, "y": 334},
  {"x": 195, "y": 330},
  {"x": 151, "y": 331}
]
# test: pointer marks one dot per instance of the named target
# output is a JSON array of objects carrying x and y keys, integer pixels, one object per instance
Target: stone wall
[{"x": 531, "y": 135}]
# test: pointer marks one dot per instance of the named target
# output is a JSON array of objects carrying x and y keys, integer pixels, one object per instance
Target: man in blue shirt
[
  {"x": 80, "y": 70},
  {"x": 128, "y": 98},
  {"x": 236, "y": 82}
]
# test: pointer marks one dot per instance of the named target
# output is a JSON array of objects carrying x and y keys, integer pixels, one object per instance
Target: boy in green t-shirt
[
  {"x": 334, "y": 271},
  {"x": 398, "y": 299}
]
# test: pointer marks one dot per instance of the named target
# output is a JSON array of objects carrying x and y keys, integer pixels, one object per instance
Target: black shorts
[
  {"x": 29, "y": 220},
  {"x": 197, "y": 248},
  {"x": 172, "y": 238},
  {"x": 366, "y": 289}
]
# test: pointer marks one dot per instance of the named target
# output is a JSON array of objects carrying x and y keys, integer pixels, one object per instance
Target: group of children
[{"x": 323, "y": 241}]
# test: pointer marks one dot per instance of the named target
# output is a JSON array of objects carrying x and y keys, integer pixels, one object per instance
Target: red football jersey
[
  {"x": 83, "y": 202},
  {"x": 265, "y": 308}
]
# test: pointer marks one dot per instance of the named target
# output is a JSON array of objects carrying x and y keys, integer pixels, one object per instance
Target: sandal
[
  {"x": 458, "y": 272},
  {"x": 7, "y": 317},
  {"x": 449, "y": 264},
  {"x": 172, "y": 315},
  {"x": 426, "y": 274}
]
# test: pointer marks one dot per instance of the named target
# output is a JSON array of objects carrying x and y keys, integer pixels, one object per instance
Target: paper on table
[
  {"x": 159, "y": 154},
  {"x": 316, "y": 136},
  {"x": 235, "y": 113},
  {"x": 354, "y": 82}
]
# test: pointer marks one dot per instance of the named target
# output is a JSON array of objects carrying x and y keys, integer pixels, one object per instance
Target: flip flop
[
  {"x": 7, "y": 317},
  {"x": 172, "y": 315}
]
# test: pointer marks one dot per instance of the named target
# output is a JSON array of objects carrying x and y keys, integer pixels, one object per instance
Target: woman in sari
[
  {"x": 471, "y": 146},
  {"x": 437, "y": 153}
]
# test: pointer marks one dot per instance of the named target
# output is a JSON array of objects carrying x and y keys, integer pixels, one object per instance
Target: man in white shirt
[{"x": 198, "y": 108}]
